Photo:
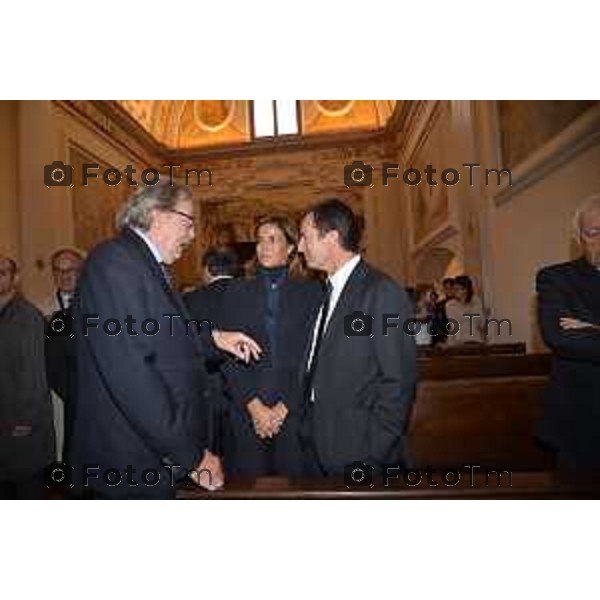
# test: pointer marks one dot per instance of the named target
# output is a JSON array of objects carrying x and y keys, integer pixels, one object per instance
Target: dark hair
[
  {"x": 464, "y": 281},
  {"x": 285, "y": 225},
  {"x": 335, "y": 215},
  {"x": 221, "y": 262},
  {"x": 448, "y": 281}
]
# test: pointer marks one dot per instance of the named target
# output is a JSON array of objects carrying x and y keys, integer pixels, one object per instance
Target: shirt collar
[
  {"x": 153, "y": 248},
  {"x": 339, "y": 278}
]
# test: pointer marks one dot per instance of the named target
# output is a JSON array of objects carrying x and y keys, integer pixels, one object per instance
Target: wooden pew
[
  {"x": 472, "y": 350},
  {"x": 479, "y": 410},
  {"x": 520, "y": 485}
]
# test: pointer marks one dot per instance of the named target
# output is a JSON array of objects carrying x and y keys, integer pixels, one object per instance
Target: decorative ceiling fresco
[
  {"x": 185, "y": 124},
  {"x": 325, "y": 116}
]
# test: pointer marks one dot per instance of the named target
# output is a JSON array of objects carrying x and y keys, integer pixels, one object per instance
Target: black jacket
[
  {"x": 141, "y": 398},
  {"x": 206, "y": 303},
  {"x": 363, "y": 385},
  {"x": 273, "y": 377},
  {"x": 571, "y": 419},
  {"x": 24, "y": 395}
]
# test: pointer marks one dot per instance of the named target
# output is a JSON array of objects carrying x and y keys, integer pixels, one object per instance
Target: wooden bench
[
  {"x": 479, "y": 410},
  {"x": 520, "y": 485},
  {"x": 473, "y": 350}
]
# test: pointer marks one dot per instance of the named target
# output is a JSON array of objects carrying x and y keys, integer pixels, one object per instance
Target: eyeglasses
[
  {"x": 190, "y": 218},
  {"x": 592, "y": 232},
  {"x": 70, "y": 271}
]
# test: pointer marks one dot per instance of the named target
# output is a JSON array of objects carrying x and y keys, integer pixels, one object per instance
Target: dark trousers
[
  {"x": 311, "y": 465},
  {"x": 247, "y": 455},
  {"x": 29, "y": 486}
]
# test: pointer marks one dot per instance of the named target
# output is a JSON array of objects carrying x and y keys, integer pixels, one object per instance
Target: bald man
[
  {"x": 569, "y": 314},
  {"x": 66, "y": 265}
]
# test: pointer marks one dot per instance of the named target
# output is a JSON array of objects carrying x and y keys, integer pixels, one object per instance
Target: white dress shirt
[
  {"x": 153, "y": 248},
  {"x": 338, "y": 282}
]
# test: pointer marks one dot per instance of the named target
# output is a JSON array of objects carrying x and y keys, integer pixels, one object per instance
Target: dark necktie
[
  {"x": 167, "y": 274},
  {"x": 310, "y": 373}
]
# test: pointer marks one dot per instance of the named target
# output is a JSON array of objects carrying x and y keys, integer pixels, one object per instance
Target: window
[{"x": 271, "y": 118}]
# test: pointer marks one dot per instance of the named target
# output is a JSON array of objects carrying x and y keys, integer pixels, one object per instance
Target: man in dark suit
[
  {"x": 360, "y": 373},
  {"x": 140, "y": 424},
  {"x": 220, "y": 267},
  {"x": 26, "y": 428},
  {"x": 569, "y": 314},
  {"x": 61, "y": 368}
]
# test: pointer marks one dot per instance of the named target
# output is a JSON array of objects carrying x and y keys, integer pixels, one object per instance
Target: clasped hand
[{"x": 267, "y": 420}]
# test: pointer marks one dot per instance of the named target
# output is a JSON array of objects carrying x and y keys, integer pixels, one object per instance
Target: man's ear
[{"x": 333, "y": 237}]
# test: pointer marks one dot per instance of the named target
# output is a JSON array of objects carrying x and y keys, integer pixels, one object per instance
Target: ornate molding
[
  {"x": 112, "y": 123},
  {"x": 581, "y": 134}
]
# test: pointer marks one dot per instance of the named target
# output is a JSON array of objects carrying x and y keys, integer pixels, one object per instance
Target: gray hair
[
  {"x": 162, "y": 196},
  {"x": 589, "y": 205}
]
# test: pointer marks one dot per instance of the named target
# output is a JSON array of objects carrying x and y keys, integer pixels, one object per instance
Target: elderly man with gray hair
[
  {"x": 569, "y": 314},
  {"x": 142, "y": 396}
]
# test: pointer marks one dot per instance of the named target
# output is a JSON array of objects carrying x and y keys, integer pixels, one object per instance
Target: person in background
[
  {"x": 26, "y": 430},
  {"x": 569, "y": 316},
  {"x": 66, "y": 265},
  {"x": 61, "y": 369},
  {"x": 464, "y": 303},
  {"x": 447, "y": 289},
  {"x": 425, "y": 312},
  {"x": 219, "y": 268},
  {"x": 440, "y": 319},
  {"x": 274, "y": 307}
]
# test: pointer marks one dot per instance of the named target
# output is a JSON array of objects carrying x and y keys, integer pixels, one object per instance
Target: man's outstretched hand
[
  {"x": 572, "y": 323},
  {"x": 239, "y": 344}
]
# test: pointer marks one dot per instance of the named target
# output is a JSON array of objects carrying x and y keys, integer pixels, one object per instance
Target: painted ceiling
[{"x": 185, "y": 124}]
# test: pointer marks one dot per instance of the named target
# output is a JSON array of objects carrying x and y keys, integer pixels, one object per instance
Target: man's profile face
[
  {"x": 315, "y": 247},
  {"x": 7, "y": 277},
  {"x": 173, "y": 230},
  {"x": 590, "y": 236},
  {"x": 65, "y": 271}
]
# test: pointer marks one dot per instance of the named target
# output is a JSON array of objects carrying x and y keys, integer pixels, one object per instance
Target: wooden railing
[{"x": 515, "y": 485}]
